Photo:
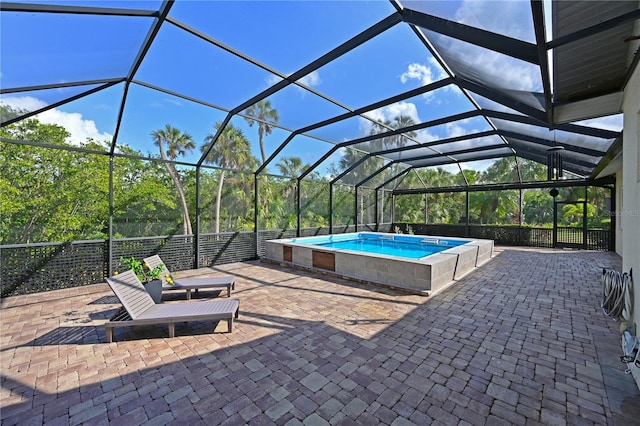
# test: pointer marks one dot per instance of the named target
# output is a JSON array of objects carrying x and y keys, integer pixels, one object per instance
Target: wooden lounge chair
[
  {"x": 139, "y": 308},
  {"x": 188, "y": 284}
]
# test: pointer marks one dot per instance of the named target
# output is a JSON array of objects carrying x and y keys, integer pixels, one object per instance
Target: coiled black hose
[{"x": 617, "y": 294}]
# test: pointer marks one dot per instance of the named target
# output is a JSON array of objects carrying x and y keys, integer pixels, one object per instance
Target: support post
[
  {"x": 196, "y": 234},
  {"x": 331, "y": 208},
  {"x": 298, "y": 208},
  {"x": 255, "y": 211},
  {"x": 376, "y": 211},
  {"x": 555, "y": 223},
  {"x": 521, "y": 233},
  {"x": 426, "y": 209},
  {"x": 110, "y": 240},
  {"x": 520, "y": 207},
  {"x": 393, "y": 208},
  {"x": 584, "y": 218},
  {"x": 356, "y": 209},
  {"x": 467, "y": 221},
  {"x": 612, "y": 216}
]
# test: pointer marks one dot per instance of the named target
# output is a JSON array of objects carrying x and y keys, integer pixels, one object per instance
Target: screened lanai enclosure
[{"x": 200, "y": 129}]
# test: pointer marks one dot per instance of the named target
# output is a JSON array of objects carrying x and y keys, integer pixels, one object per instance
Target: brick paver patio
[{"x": 520, "y": 341}]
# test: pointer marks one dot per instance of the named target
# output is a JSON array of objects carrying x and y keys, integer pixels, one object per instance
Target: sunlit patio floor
[{"x": 520, "y": 341}]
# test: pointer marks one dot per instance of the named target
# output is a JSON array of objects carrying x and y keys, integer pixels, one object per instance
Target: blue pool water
[{"x": 412, "y": 247}]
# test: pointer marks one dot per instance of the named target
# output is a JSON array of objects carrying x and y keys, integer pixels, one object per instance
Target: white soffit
[
  {"x": 613, "y": 167},
  {"x": 590, "y": 108}
]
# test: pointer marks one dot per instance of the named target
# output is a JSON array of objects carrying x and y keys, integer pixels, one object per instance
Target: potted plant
[{"x": 151, "y": 278}]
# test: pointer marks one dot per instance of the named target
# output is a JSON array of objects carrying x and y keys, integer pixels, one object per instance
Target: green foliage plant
[{"x": 142, "y": 270}]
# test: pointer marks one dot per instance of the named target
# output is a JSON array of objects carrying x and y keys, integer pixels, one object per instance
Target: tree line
[{"x": 54, "y": 195}]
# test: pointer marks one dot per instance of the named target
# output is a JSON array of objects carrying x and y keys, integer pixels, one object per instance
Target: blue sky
[{"x": 282, "y": 35}]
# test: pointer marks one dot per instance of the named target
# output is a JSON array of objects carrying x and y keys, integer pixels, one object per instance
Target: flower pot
[{"x": 154, "y": 288}]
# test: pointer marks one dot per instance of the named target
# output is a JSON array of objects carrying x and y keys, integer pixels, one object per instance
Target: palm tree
[
  {"x": 178, "y": 143},
  {"x": 372, "y": 164},
  {"x": 494, "y": 206},
  {"x": 231, "y": 151},
  {"x": 262, "y": 113},
  {"x": 400, "y": 122},
  {"x": 532, "y": 170},
  {"x": 537, "y": 207},
  {"x": 502, "y": 170},
  {"x": 291, "y": 167},
  {"x": 439, "y": 207},
  {"x": 399, "y": 140}
]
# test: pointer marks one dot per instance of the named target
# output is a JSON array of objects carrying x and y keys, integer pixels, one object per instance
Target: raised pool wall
[{"x": 424, "y": 276}]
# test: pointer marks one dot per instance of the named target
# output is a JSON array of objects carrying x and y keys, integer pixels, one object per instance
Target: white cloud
[
  {"x": 389, "y": 113},
  {"x": 486, "y": 65},
  {"x": 419, "y": 72},
  {"x": 423, "y": 136},
  {"x": 499, "y": 18},
  {"x": 272, "y": 79},
  {"x": 376, "y": 115},
  {"x": 341, "y": 152},
  {"x": 491, "y": 67},
  {"x": 453, "y": 130},
  {"x": 425, "y": 74},
  {"x": 27, "y": 103},
  {"x": 79, "y": 128},
  {"x": 312, "y": 79}
]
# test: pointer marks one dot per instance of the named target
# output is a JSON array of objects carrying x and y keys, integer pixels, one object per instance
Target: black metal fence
[
  {"x": 34, "y": 268},
  {"x": 597, "y": 239}
]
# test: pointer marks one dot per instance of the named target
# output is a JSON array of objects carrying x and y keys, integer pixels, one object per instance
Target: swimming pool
[
  {"x": 410, "y": 248},
  {"x": 417, "y": 263}
]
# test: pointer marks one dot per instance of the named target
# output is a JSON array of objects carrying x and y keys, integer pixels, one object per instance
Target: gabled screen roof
[{"x": 359, "y": 91}]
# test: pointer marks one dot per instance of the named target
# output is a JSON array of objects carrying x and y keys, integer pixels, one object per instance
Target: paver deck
[{"x": 520, "y": 341}]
